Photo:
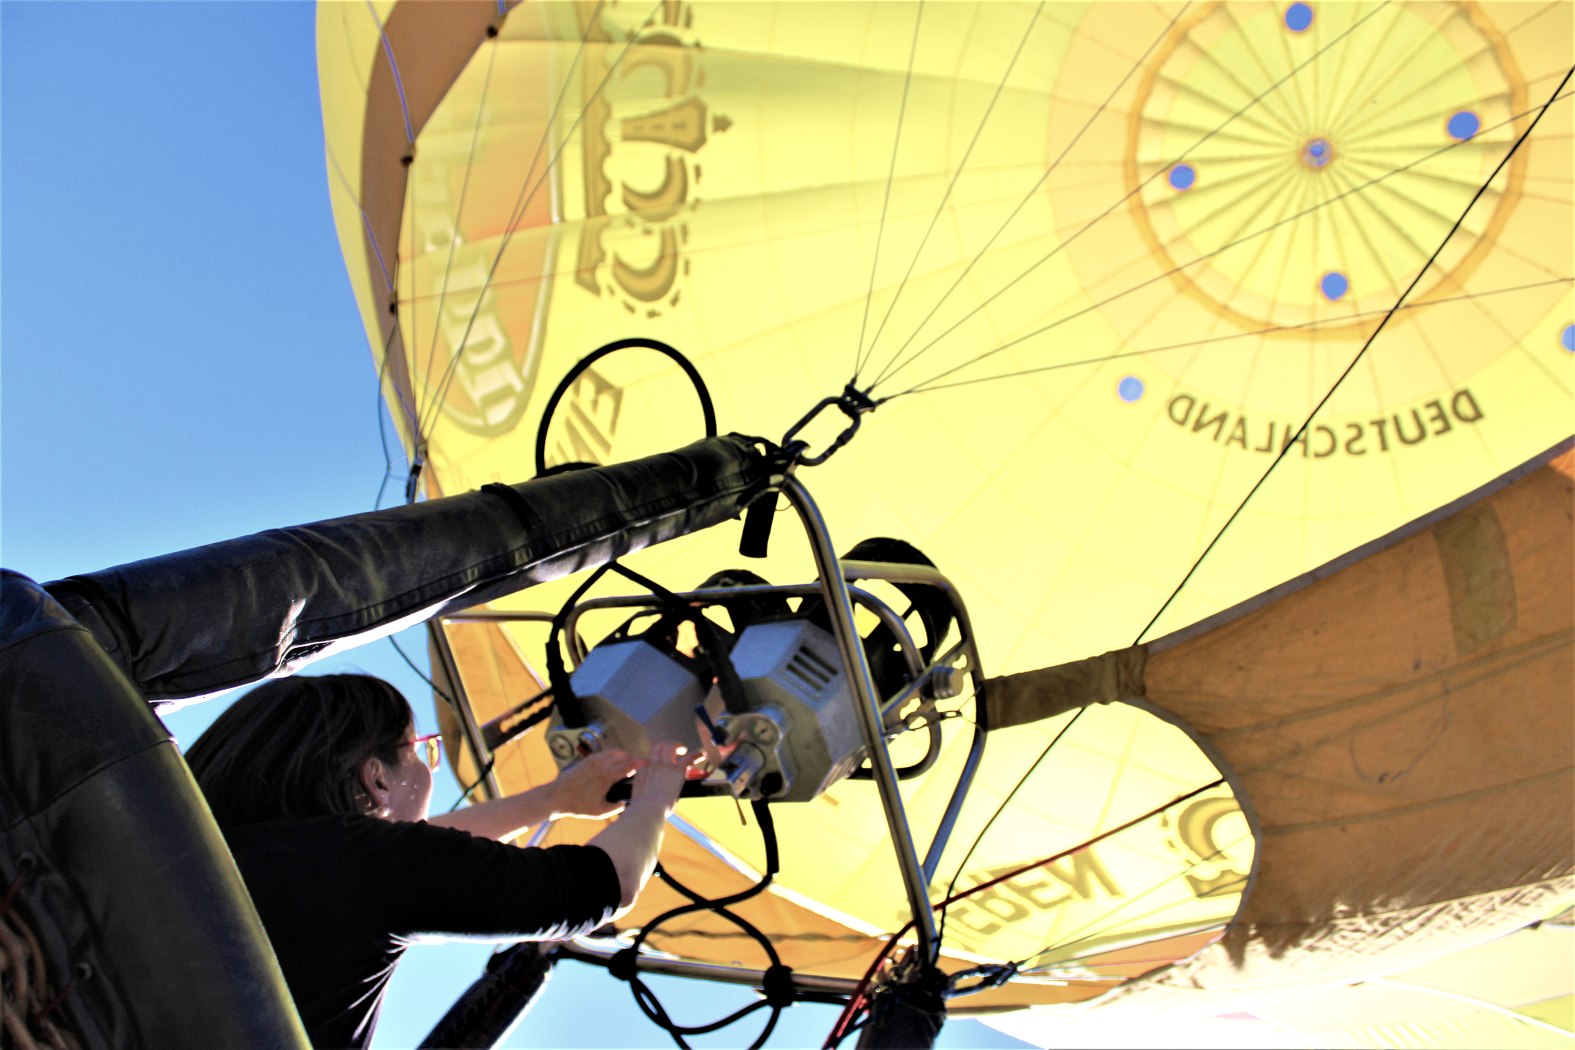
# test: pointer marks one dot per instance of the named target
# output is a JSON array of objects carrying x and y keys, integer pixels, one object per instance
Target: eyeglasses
[{"x": 430, "y": 749}]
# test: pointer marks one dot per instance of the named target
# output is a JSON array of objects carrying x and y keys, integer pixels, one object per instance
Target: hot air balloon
[{"x": 1218, "y": 357}]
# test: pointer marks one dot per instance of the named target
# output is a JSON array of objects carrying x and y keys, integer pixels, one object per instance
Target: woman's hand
[
  {"x": 632, "y": 841},
  {"x": 661, "y": 777},
  {"x": 581, "y": 790}
]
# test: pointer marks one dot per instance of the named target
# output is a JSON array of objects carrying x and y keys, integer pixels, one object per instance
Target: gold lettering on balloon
[
  {"x": 1197, "y": 837},
  {"x": 643, "y": 160},
  {"x": 1042, "y": 889},
  {"x": 585, "y": 421},
  {"x": 1404, "y": 427}
]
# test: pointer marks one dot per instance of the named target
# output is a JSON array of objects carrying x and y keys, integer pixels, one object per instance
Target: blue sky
[{"x": 181, "y": 362}]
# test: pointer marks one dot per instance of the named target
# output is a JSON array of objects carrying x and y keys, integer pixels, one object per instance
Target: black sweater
[{"x": 341, "y": 896}]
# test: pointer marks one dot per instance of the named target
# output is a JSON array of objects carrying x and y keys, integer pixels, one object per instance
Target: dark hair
[{"x": 291, "y": 747}]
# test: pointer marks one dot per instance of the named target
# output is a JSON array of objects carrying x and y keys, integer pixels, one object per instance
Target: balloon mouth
[{"x": 1317, "y": 153}]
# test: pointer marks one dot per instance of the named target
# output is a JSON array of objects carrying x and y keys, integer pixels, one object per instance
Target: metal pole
[
  {"x": 866, "y": 705},
  {"x": 467, "y": 717},
  {"x": 804, "y": 982}
]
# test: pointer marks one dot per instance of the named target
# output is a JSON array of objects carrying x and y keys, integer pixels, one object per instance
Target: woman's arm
[
  {"x": 633, "y": 840},
  {"x": 579, "y": 791}
]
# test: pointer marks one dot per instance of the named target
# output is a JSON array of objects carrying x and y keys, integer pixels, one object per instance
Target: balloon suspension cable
[{"x": 853, "y": 402}]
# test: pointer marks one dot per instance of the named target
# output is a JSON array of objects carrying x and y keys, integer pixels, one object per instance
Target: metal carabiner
[{"x": 853, "y": 402}]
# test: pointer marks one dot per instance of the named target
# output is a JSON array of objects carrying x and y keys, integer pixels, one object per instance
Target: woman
[{"x": 322, "y": 794}]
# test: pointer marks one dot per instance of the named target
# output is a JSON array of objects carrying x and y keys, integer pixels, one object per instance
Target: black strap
[
  {"x": 713, "y": 650},
  {"x": 530, "y": 520},
  {"x": 756, "y": 539}
]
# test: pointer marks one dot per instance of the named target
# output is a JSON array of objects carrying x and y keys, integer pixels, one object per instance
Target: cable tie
[
  {"x": 624, "y": 964},
  {"x": 778, "y": 986}
]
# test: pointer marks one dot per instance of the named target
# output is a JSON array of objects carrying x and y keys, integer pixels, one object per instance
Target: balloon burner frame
[{"x": 792, "y": 742}]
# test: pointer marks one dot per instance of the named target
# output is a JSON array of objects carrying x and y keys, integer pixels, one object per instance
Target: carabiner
[{"x": 853, "y": 403}]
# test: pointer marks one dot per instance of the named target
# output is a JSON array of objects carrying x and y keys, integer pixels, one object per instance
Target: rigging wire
[
  {"x": 891, "y": 177},
  {"x": 1092, "y": 928},
  {"x": 382, "y": 423},
  {"x": 951, "y": 887},
  {"x": 529, "y": 194},
  {"x": 366, "y": 222},
  {"x": 481, "y": 776},
  {"x": 437, "y": 690},
  {"x": 886, "y": 372},
  {"x": 1357, "y": 190},
  {"x": 1159, "y": 170},
  {"x": 399, "y": 84},
  {"x": 390, "y": 274},
  {"x": 995, "y": 974},
  {"x": 1357, "y": 358},
  {"x": 459, "y": 207},
  {"x": 1302, "y": 326},
  {"x": 941, "y": 207}
]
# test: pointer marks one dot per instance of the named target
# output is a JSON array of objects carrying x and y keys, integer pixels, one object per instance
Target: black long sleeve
[{"x": 341, "y": 896}]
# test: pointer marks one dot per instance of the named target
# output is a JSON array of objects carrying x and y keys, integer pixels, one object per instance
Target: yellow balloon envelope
[{"x": 1163, "y": 305}]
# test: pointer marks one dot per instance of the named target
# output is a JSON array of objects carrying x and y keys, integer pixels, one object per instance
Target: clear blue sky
[{"x": 181, "y": 362}]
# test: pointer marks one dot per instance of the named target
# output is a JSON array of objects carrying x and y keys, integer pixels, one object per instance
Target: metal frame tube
[
  {"x": 808, "y": 982},
  {"x": 497, "y": 616},
  {"x": 717, "y": 595},
  {"x": 932, "y": 577},
  {"x": 839, "y": 605},
  {"x": 467, "y": 716}
]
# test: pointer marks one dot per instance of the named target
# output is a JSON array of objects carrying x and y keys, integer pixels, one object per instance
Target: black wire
[
  {"x": 1285, "y": 450},
  {"x": 437, "y": 690},
  {"x": 707, "y": 408},
  {"x": 651, "y": 1006},
  {"x": 464, "y": 796}
]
